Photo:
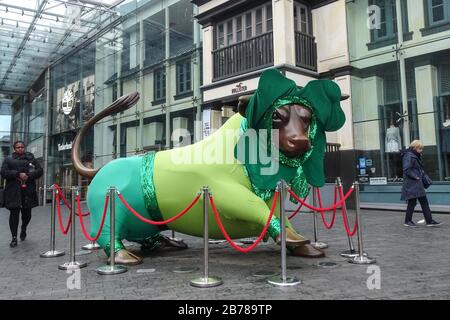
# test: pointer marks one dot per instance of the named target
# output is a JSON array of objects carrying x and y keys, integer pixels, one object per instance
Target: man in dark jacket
[
  {"x": 415, "y": 180},
  {"x": 20, "y": 171}
]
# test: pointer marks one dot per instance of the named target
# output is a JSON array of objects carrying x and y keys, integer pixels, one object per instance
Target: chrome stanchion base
[
  {"x": 209, "y": 282},
  {"x": 111, "y": 270},
  {"x": 351, "y": 254},
  {"x": 184, "y": 270},
  {"x": 278, "y": 281},
  {"x": 52, "y": 254},
  {"x": 319, "y": 245},
  {"x": 216, "y": 241},
  {"x": 266, "y": 273},
  {"x": 327, "y": 265},
  {"x": 247, "y": 240},
  {"x": 72, "y": 265},
  {"x": 91, "y": 246},
  {"x": 362, "y": 260}
]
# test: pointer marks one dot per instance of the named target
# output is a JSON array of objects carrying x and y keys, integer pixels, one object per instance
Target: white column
[
  {"x": 141, "y": 103},
  {"x": 344, "y": 136},
  {"x": 367, "y": 95},
  {"x": 208, "y": 46},
  {"x": 426, "y": 90},
  {"x": 283, "y": 32},
  {"x": 168, "y": 78},
  {"x": 196, "y": 77}
]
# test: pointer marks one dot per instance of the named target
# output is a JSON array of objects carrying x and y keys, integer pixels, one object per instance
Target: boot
[{"x": 13, "y": 242}]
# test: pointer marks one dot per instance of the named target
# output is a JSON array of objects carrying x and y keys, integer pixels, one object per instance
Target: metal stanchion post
[
  {"x": 360, "y": 259},
  {"x": 112, "y": 268},
  {"x": 72, "y": 264},
  {"x": 284, "y": 280},
  {"x": 351, "y": 253},
  {"x": 316, "y": 244},
  {"x": 206, "y": 281},
  {"x": 52, "y": 252}
]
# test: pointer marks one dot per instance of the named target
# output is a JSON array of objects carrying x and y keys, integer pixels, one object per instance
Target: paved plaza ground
[{"x": 413, "y": 264}]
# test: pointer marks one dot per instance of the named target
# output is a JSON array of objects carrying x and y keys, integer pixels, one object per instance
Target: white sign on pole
[{"x": 206, "y": 122}]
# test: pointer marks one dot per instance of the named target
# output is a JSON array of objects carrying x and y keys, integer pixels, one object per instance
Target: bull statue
[{"x": 279, "y": 133}]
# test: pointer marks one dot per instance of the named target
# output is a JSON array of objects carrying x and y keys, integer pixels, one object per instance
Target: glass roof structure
[{"x": 36, "y": 33}]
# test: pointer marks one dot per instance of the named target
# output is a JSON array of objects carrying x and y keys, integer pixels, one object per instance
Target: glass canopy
[{"x": 35, "y": 33}]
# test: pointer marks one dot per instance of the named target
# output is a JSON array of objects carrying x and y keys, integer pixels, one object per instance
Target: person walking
[
  {"x": 415, "y": 181},
  {"x": 20, "y": 171}
]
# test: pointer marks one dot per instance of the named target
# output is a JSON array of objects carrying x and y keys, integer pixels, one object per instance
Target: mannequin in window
[{"x": 393, "y": 140}]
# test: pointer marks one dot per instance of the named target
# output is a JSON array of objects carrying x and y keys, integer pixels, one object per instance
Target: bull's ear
[
  {"x": 344, "y": 96},
  {"x": 242, "y": 105}
]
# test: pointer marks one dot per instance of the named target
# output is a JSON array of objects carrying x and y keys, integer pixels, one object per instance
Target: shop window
[
  {"x": 438, "y": 11},
  {"x": 244, "y": 26},
  {"x": 386, "y": 33},
  {"x": 159, "y": 84},
  {"x": 437, "y": 16},
  {"x": 302, "y": 21},
  {"x": 184, "y": 77}
]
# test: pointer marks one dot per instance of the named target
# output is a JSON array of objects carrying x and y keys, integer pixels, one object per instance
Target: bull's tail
[{"x": 121, "y": 104}]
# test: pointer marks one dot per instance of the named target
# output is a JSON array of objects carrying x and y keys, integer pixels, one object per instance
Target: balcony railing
[
  {"x": 249, "y": 55},
  {"x": 305, "y": 51}
]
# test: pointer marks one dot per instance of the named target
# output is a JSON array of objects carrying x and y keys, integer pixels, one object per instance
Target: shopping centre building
[{"x": 64, "y": 61}]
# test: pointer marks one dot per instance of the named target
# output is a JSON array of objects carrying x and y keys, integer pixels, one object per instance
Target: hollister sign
[{"x": 239, "y": 88}]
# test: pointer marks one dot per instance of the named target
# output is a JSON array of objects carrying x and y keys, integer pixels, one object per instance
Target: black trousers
[
  {"x": 425, "y": 209},
  {"x": 14, "y": 219}
]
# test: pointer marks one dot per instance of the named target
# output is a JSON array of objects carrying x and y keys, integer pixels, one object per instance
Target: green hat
[{"x": 321, "y": 96}]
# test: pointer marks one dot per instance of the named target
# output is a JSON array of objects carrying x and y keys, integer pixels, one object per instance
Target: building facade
[
  {"x": 398, "y": 86},
  {"x": 400, "y": 89},
  {"x": 306, "y": 40},
  {"x": 154, "y": 48}
]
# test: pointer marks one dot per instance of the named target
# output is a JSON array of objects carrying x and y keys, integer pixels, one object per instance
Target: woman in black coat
[
  {"x": 20, "y": 171},
  {"x": 415, "y": 180}
]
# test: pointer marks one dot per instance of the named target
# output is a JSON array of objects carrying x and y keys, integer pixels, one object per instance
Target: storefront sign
[
  {"x": 66, "y": 146},
  {"x": 239, "y": 88},
  {"x": 68, "y": 102},
  {"x": 378, "y": 181}
]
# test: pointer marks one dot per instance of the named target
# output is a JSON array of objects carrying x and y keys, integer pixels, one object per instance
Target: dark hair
[{"x": 17, "y": 142}]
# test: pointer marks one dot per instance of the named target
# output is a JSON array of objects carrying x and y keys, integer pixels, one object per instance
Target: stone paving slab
[{"x": 413, "y": 264}]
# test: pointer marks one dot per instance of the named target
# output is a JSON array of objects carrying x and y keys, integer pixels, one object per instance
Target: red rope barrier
[
  {"x": 227, "y": 237},
  {"x": 336, "y": 205},
  {"x": 158, "y": 223},
  {"x": 58, "y": 207},
  {"x": 344, "y": 218},
  {"x": 101, "y": 224},
  {"x": 63, "y": 197},
  {"x": 298, "y": 209},
  {"x": 58, "y": 188},
  {"x": 319, "y": 198}
]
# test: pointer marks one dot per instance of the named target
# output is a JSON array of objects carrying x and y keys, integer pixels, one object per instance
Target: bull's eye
[{"x": 276, "y": 116}]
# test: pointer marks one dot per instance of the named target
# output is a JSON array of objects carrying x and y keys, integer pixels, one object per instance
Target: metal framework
[{"x": 35, "y": 33}]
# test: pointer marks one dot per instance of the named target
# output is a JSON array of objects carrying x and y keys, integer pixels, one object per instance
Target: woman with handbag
[
  {"x": 415, "y": 181},
  {"x": 20, "y": 171}
]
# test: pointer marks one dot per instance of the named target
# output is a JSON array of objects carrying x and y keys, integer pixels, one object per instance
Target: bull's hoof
[
  {"x": 126, "y": 258},
  {"x": 174, "y": 243},
  {"x": 307, "y": 251},
  {"x": 160, "y": 241},
  {"x": 292, "y": 239}
]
